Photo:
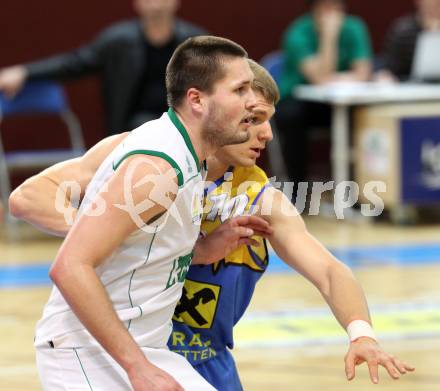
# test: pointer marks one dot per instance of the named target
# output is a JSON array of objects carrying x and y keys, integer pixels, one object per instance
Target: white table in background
[{"x": 343, "y": 95}]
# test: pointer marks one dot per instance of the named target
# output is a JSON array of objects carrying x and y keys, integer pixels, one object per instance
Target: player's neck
[
  {"x": 193, "y": 129},
  {"x": 216, "y": 168}
]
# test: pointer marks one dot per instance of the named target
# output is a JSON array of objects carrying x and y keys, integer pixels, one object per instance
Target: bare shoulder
[
  {"x": 82, "y": 169},
  {"x": 277, "y": 208}
]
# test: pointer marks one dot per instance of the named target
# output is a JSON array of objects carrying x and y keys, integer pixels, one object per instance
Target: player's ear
[{"x": 194, "y": 99}]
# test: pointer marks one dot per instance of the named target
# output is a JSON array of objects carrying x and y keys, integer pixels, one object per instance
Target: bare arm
[
  {"x": 34, "y": 200},
  {"x": 298, "y": 248},
  {"x": 74, "y": 268}
]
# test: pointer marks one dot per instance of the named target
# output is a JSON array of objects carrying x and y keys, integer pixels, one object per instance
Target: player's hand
[
  {"x": 367, "y": 350},
  {"x": 12, "y": 80},
  {"x": 229, "y": 236},
  {"x": 152, "y": 378}
]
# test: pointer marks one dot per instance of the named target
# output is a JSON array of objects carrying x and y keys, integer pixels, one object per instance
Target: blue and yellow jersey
[{"x": 215, "y": 296}]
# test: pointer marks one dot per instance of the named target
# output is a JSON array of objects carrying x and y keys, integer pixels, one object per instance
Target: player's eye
[
  {"x": 242, "y": 90},
  {"x": 257, "y": 120}
]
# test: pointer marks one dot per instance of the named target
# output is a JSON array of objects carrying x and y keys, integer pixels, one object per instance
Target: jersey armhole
[
  {"x": 162, "y": 155},
  {"x": 260, "y": 193}
]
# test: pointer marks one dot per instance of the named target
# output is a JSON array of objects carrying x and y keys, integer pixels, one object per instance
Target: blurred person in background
[
  {"x": 400, "y": 42},
  {"x": 325, "y": 45},
  {"x": 130, "y": 58}
]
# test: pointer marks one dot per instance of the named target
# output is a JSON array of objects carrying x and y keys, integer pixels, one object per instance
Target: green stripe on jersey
[
  {"x": 181, "y": 128},
  {"x": 162, "y": 155}
]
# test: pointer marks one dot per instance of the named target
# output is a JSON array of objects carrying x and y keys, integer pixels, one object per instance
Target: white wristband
[{"x": 360, "y": 328}]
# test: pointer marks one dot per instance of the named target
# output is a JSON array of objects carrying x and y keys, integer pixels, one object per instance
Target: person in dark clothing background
[
  {"x": 401, "y": 39},
  {"x": 130, "y": 58}
]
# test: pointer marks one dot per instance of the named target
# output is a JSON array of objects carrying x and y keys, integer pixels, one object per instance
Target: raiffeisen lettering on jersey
[{"x": 195, "y": 348}]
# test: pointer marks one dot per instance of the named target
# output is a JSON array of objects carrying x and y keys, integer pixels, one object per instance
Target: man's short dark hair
[{"x": 198, "y": 63}]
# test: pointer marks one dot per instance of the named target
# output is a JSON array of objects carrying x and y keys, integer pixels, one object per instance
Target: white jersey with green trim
[{"x": 144, "y": 275}]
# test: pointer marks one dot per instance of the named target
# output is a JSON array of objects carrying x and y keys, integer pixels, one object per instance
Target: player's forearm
[
  {"x": 345, "y": 295},
  {"x": 35, "y": 202},
  {"x": 334, "y": 280},
  {"x": 207, "y": 250},
  {"x": 84, "y": 292},
  {"x": 201, "y": 254}
]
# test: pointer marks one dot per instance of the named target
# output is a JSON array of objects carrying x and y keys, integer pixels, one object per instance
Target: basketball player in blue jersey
[{"x": 215, "y": 296}]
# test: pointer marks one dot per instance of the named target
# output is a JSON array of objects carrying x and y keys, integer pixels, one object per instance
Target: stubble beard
[{"x": 218, "y": 131}]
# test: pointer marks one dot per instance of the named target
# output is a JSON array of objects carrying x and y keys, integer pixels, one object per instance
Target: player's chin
[{"x": 248, "y": 162}]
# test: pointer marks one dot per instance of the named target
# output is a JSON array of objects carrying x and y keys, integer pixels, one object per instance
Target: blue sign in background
[{"x": 420, "y": 170}]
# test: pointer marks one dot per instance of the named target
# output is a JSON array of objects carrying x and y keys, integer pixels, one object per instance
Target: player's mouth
[
  {"x": 256, "y": 151},
  {"x": 247, "y": 120}
]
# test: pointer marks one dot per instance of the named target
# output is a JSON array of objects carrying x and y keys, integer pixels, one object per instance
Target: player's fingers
[
  {"x": 242, "y": 232},
  {"x": 257, "y": 226},
  {"x": 391, "y": 368},
  {"x": 349, "y": 367},
  {"x": 246, "y": 219},
  {"x": 373, "y": 369},
  {"x": 263, "y": 234},
  {"x": 403, "y": 367},
  {"x": 258, "y": 231},
  {"x": 253, "y": 220},
  {"x": 409, "y": 367},
  {"x": 248, "y": 231},
  {"x": 248, "y": 242},
  {"x": 399, "y": 365}
]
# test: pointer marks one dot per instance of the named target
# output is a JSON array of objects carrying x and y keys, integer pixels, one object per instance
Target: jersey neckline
[{"x": 181, "y": 128}]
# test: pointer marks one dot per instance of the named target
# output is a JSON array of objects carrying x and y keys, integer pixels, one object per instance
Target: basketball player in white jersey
[{"x": 120, "y": 270}]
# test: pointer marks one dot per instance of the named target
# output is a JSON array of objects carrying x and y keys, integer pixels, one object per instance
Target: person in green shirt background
[{"x": 322, "y": 46}]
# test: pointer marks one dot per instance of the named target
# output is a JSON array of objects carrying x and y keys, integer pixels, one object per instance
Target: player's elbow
[
  {"x": 54, "y": 274},
  {"x": 23, "y": 201},
  {"x": 58, "y": 271},
  {"x": 17, "y": 204}
]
